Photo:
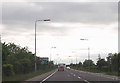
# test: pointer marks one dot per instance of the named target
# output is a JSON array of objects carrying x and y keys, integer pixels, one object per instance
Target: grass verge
[
  {"x": 23, "y": 77},
  {"x": 97, "y": 71}
]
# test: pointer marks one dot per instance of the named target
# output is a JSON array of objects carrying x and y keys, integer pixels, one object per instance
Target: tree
[
  {"x": 114, "y": 62},
  {"x": 99, "y": 57},
  {"x": 118, "y": 64},
  {"x": 5, "y": 52},
  {"x": 88, "y": 63},
  {"x": 25, "y": 65},
  {"x": 80, "y": 64},
  {"x": 101, "y": 63},
  {"x": 20, "y": 58}
]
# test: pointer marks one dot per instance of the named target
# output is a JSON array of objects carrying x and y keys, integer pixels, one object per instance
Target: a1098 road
[{"x": 76, "y": 76}]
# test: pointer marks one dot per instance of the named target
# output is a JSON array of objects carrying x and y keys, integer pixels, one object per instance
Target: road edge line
[{"x": 48, "y": 77}]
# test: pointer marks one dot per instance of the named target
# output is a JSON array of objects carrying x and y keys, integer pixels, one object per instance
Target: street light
[
  {"x": 83, "y": 39},
  {"x": 88, "y": 52},
  {"x": 50, "y": 53},
  {"x": 57, "y": 58},
  {"x": 35, "y": 40},
  {"x": 76, "y": 56},
  {"x": 88, "y": 49},
  {"x": 71, "y": 59}
]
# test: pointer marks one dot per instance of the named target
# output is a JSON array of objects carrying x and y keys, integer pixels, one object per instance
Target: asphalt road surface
[{"x": 74, "y": 76}]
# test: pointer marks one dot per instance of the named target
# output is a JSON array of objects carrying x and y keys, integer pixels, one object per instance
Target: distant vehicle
[
  {"x": 68, "y": 68},
  {"x": 61, "y": 67}
]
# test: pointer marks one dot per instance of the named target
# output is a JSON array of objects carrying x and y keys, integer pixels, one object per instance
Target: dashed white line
[
  {"x": 83, "y": 79},
  {"x": 48, "y": 77},
  {"x": 71, "y": 73},
  {"x": 79, "y": 77},
  {"x": 68, "y": 75},
  {"x": 74, "y": 74},
  {"x": 86, "y": 81},
  {"x": 100, "y": 75}
]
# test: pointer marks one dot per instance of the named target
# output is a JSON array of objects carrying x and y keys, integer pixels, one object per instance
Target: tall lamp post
[
  {"x": 88, "y": 48},
  {"x": 35, "y": 40},
  {"x": 71, "y": 60},
  {"x": 76, "y": 56},
  {"x": 50, "y": 53},
  {"x": 88, "y": 52},
  {"x": 57, "y": 58}
]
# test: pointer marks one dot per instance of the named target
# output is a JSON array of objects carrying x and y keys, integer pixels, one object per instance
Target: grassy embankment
[
  {"x": 96, "y": 71},
  {"x": 23, "y": 77}
]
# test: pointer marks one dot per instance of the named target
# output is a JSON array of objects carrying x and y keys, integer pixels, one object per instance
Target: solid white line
[{"x": 48, "y": 76}]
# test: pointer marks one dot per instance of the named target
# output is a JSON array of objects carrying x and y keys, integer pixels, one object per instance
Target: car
[
  {"x": 61, "y": 67},
  {"x": 68, "y": 68}
]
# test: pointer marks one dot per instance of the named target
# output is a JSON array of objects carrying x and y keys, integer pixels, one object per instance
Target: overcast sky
[{"x": 70, "y": 21}]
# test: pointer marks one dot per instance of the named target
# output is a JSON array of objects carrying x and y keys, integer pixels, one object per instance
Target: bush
[
  {"x": 105, "y": 68},
  {"x": 8, "y": 70},
  {"x": 93, "y": 67},
  {"x": 25, "y": 65}
]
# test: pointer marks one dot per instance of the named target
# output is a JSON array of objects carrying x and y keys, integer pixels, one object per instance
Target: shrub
[
  {"x": 105, "y": 68},
  {"x": 8, "y": 70}
]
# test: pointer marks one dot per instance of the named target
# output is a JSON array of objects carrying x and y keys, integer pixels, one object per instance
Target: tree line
[
  {"x": 110, "y": 64},
  {"x": 19, "y": 60}
]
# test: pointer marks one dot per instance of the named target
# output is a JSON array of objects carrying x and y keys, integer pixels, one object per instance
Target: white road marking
[
  {"x": 111, "y": 78},
  {"x": 86, "y": 81},
  {"x": 83, "y": 79},
  {"x": 100, "y": 75},
  {"x": 68, "y": 75},
  {"x": 48, "y": 76},
  {"x": 74, "y": 74},
  {"x": 71, "y": 73},
  {"x": 79, "y": 77}
]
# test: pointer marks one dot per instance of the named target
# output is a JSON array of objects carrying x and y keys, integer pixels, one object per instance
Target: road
[{"x": 74, "y": 76}]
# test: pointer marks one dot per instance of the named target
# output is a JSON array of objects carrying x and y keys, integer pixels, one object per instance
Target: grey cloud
[
  {"x": 42, "y": 29},
  {"x": 17, "y": 16},
  {"x": 61, "y": 12}
]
